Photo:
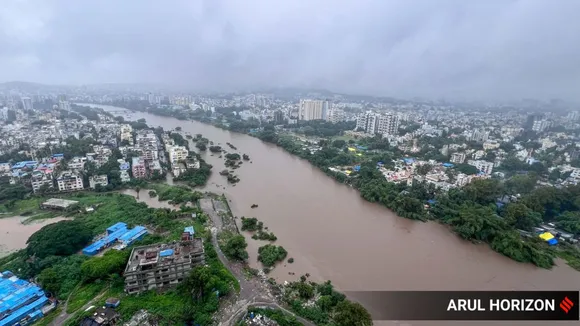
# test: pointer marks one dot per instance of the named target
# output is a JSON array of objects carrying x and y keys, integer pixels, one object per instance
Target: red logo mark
[{"x": 566, "y": 304}]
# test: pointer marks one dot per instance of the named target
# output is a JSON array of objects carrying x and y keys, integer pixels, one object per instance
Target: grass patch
[
  {"x": 84, "y": 294},
  {"x": 22, "y": 207}
]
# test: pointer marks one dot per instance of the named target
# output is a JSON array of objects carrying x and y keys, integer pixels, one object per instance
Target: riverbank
[
  {"x": 409, "y": 202},
  {"x": 15, "y": 231},
  {"x": 312, "y": 216}
]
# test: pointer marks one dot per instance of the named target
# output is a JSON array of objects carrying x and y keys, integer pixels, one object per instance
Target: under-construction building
[{"x": 161, "y": 266}]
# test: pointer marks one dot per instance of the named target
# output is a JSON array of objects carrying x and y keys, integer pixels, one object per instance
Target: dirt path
[
  {"x": 253, "y": 292},
  {"x": 64, "y": 316}
]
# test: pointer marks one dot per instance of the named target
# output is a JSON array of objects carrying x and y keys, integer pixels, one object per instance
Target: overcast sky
[{"x": 480, "y": 49}]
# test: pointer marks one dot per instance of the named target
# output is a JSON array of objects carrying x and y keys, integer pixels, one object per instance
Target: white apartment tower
[
  {"x": 27, "y": 103},
  {"x": 372, "y": 123},
  {"x": 313, "y": 110}
]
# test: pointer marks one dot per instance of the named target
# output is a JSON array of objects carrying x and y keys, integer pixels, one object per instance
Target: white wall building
[
  {"x": 313, "y": 110},
  {"x": 177, "y": 153},
  {"x": 69, "y": 181},
  {"x": 483, "y": 166},
  {"x": 98, "y": 180}
]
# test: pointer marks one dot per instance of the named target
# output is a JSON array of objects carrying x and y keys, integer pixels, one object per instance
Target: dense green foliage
[
  {"x": 251, "y": 224},
  {"x": 196, "y": 177},
  {"x": 330, "y": 307},
  {"x": 233, "y": 246},
  {"x": 471, "y": 211},
  {"x": 269, "y": 254},
  {"x": 63, "y": 238}
]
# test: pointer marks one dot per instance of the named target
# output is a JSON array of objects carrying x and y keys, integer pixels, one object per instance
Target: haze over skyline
[{"x": 493, "y": 49}]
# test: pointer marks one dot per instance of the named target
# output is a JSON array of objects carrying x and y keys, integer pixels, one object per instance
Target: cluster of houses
[{"x": 145, "y": 151}]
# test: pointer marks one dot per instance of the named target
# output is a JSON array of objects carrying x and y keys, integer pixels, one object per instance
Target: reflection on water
[
  {"x": 334, "y": 234},
  {"x": 14, "y": 234}
]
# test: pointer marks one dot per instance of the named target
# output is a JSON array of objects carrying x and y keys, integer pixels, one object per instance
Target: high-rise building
[
  {"x": 373, "y": 123},
  {"x": 313, "y": 110},
  {"x": 279, "y": 117},
  {"x": 531, "y": 119},
  {"x": 335, "y": 115},
  {"x": 540, "y": 125},
  {"x": 388, "y": 124},
  {"x": 27, "y": 103},
  {"x": 151, "y": 98}
]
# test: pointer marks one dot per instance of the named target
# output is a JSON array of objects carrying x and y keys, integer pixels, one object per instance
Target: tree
[
  {"x": 521, "y": 217},
  {"x": 521, "y": 183},
  {"x": 424, "y": 169},
  {"x": 466, "y": 169},
  {"x": 352, "y": 314},
  {"x": 63, "y": 238},
  {"x": 338, "y": 143},
  {"x": 235, "y": 248}
]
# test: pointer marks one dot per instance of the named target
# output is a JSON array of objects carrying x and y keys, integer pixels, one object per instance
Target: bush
[
  {"x": 251, "y": 224},
  {"x": 269, "y": 254}
]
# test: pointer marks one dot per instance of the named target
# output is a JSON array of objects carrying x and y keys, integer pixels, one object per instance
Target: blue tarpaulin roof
[
  {"x": 189, "y": 230},
  {"x": 448, "y": 165},
  {"x": 165, "y": 253},
  {"x": 116, "y": 226},
  {"x": 18, "y": 298},
  {"x": 552, "y": 242},
  {"x": 133, "y": 234},
  {"x": 356, "y": 168}
]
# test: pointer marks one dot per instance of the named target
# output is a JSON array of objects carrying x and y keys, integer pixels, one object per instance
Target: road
[
  {"x": 64, "y": 316},
  {"x": 253, "y": 293}
]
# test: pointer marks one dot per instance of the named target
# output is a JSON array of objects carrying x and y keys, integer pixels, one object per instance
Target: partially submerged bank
[{"x": 318, "y": 303}]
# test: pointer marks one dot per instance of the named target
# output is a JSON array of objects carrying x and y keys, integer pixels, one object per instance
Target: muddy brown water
[
  {"x": 14, "y": 233},
  {"x": 332, "y": 233}
]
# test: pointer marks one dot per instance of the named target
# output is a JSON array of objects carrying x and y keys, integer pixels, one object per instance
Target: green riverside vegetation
[{"x": 53, "y": 253}]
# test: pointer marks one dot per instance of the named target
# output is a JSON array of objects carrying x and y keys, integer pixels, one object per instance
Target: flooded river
[
  {"x": 332, "y": 233},
  {"x": 14, "y": 233}
]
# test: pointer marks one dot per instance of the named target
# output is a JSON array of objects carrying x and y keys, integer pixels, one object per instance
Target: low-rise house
[{"x": 101, "y": 180}]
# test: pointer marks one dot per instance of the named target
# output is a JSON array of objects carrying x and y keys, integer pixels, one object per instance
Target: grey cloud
[{"x": 432, "y": 48}]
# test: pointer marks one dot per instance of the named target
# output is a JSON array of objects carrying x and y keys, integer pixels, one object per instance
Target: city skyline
[{"x": 493, "y": 50}]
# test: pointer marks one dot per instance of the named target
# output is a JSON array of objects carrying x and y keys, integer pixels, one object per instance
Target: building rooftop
[
  {"x": 163, "y": 254},
  {"x": 59, "y": 203}
]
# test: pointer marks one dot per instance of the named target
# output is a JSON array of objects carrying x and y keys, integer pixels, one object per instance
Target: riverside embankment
[{"x": 334, "y": 234}]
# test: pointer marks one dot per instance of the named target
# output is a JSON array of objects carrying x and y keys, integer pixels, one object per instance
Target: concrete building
[
  {"x": 138, "y": 168},
  {"x": 103, "y": 316},
  {"x": 457, "y": 158},
  {"x": 373, "y": 123},
  {"x": 313, "y": 110},
  {"x": 163, "y": 266},
  {"x": 335, "y": 115},
  {"x": 479, "y": 136},
  {"x": 69, "y": 181},
  {"x": 177, "y": 153},
  {"x": 27, "y": 103},
  {"x": 98, "y": 180},
  {"x": 279, "y": 117},
  {"x": 126, "y": 134},
  {"x": 540, "y": 125},
  {"x": 388, "y": 124},
  {"x": 39, "y": 180},
  {"x": 124, "y": 175},
  {"x": 483, "y": 166}
]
